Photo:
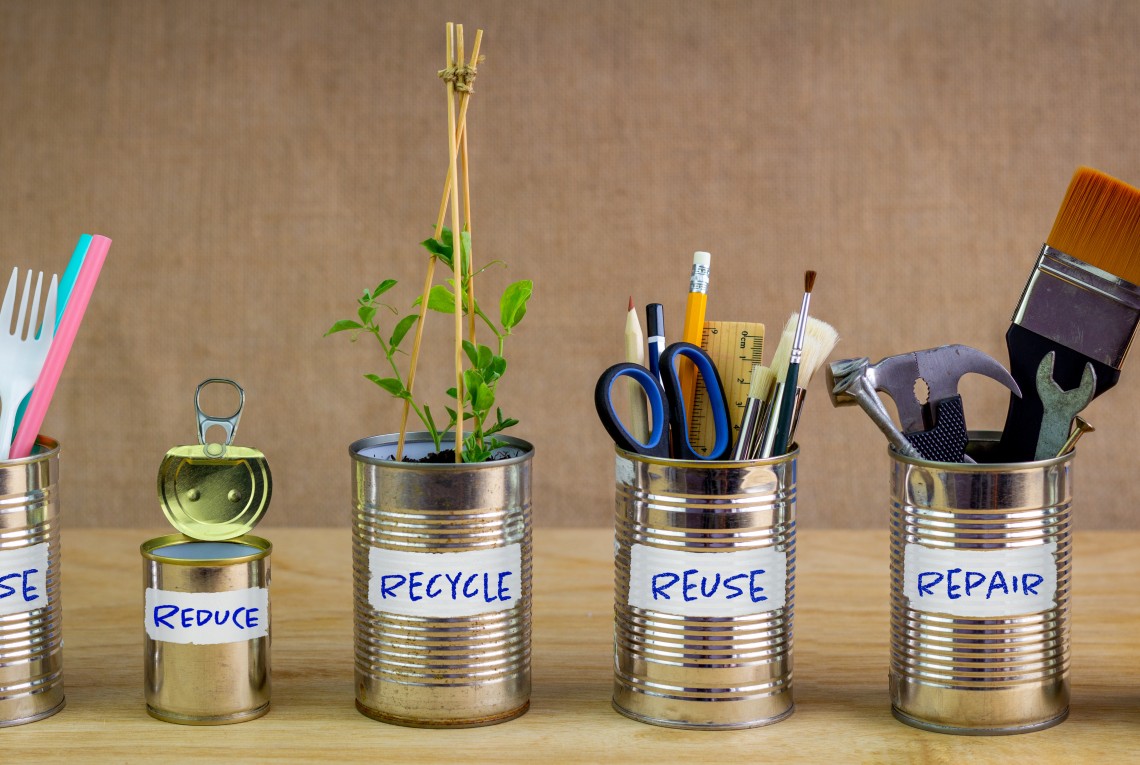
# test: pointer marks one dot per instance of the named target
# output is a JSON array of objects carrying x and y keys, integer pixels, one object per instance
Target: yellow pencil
[{"x": 694, "y": 322}]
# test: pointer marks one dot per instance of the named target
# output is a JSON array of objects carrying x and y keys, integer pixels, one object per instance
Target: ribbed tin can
[
  {"x": 980, "y": 578},
  {"x": 705, "y": 558},
  {"x": 207, "y": 642},
  {"x": 31, "y": 640},
  {"x": 436, "y": 647}
]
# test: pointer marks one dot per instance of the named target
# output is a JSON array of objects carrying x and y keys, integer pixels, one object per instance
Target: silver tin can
[
  {"x": 980, "y": 577},
  {"x": 31, "y": 641},
  {"x": 207, "y": 639},
  {"x": 425, "y": 536},
  {"x": 704, "y": 586}
]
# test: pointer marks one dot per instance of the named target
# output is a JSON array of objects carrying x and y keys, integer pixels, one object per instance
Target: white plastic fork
[{"x": 21, "y": 358}]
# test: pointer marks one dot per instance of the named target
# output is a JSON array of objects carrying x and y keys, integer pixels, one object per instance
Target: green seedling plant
[{"x": 487, "y": 365}]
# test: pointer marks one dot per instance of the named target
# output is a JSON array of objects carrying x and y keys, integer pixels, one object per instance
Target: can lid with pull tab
[{"x": 210, "y": 491}]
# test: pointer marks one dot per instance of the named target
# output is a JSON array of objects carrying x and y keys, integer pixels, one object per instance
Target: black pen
[{"x": 655, "y": 324}]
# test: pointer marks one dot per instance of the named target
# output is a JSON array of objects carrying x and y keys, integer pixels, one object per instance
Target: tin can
[
  {"x": 31, "y": 640},
  {"x": 441, "y": 585},
  {"x": 980, "y": 577},
  {"x": 207, "y": 629},
  {"x": 703, "y": 591}
]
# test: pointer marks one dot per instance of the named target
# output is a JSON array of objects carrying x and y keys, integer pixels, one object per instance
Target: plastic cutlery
[{"x": 22, "y": 357}]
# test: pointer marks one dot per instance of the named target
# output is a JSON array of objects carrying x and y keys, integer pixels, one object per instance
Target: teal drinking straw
[{"x": 70, "y": 274}]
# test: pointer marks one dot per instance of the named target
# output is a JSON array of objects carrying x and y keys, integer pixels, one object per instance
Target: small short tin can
[
  {"x": 207, "y": 629},
  {"x": 980, "y": 578},
  {"x": 31, "y": 641},
  {"x": 441, "y": 585},
  {"x": 705, "y": 556},
  {"x": 206, "y": 602}
]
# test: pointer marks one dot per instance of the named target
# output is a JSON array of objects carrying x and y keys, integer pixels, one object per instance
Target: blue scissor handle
[
  {"x": 682, "y": 448},
  {"x": 658, "y": 444}
]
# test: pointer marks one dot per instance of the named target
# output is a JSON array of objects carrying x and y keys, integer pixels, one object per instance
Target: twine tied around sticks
[{"x": 463, "y": 76}]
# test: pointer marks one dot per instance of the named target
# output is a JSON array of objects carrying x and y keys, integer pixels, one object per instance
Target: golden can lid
[{"x": 210, "y": 491}]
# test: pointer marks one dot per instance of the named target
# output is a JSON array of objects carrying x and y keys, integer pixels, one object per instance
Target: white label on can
[
  {"x": 981, "y": 583},
  {"x": 207, "y": 618},
  {"x": 23, "y": 579},
  {"x": 442, "y": 585},
  {"x": 707, "y": 584}
]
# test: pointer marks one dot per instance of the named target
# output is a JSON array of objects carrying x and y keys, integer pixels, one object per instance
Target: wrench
[
  {"x": 848, "y": 383},
  {"x": 1061, "y": 406}
]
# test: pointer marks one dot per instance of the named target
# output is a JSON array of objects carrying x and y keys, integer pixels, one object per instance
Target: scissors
[{"x": 670, "y": 434}]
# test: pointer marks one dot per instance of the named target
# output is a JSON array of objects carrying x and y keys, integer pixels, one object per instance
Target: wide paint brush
[
  {"x": 1081, "y": 302},
  {"x": 791, "y": 379}
]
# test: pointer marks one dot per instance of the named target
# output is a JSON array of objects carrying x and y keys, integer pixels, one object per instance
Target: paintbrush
[
  {"x": 755, "y": 415},
  {"x": 780, "y": 369},
  {"x": 1081, "y": 301},
  {"x": 791, "y": 379},
  {"x": 635, "y": 354},
  {"x": 819, "y": 341}
]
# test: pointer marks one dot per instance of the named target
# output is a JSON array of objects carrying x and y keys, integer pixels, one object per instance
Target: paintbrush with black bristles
[{"x": 1081, "y": 302}]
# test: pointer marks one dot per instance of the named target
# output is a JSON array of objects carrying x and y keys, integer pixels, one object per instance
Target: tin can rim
[
  {"x": 147, "y": 548},
  {"x": 421, "y": 436},
  {"x": 985, "y": 436},
  {"x": 49, "y": 448},
  {"x": 792, "y": 454}
]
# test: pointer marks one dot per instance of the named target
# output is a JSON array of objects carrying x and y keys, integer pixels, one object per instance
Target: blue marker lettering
[
  {"x": 927, "y": 588},
  {"x": 251, "y": 617},
  {"x": 504, "y": 593},
  {"x": 6, "y": 590},
  {"x": 728, "y": 584},
  {"x": 487, "y": 588},
  {"x": 754, "y": 588},
  {"x": 974, "y": 579},
  {"x": 1030, "y": 588},
  {"x": 431, "y": 582},
  {"x": 454, "y": 584},
  {"x": 951, "y": 588},
  {"x": 659, "y": 589},
  {"x": 467, "y": 584},
  {"x": 686, "y": 585},
  {"x": 163, "y": 619},
  {"x": 716, "y": 584},
  {"x": 237, "y": 618},
  {"x": 997, "y": 582},
  {"x": 413, "y": 584},
  {"x": 389, "y": 591}
]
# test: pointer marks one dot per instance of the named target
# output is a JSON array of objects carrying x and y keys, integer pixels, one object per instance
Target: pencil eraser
[{"x": 702, "y": 259}]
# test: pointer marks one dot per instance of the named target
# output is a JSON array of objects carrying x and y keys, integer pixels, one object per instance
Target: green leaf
[
  {"x": 465, "y": 252},
  {"x": 343, "y": 325},
  {"x": 383, "y": 287},
  {"x": 366, "y": 314},
  {"x": 497, "y": 367},
  {"x": 512, "y": 306},
  {"x": 441, "y": 299},
  {"x": 486, "y": 355},
  {"x": 471, "y": 380},
  {"x": 430, "y": 420},
  {"x": 451, "y": 393},
  {"x": 435, "y": 247},
  {"x": 483, "y": 398},
  {"x": 401, "y": 329},
  {"x": 469, "y": 349},
  {"x": 390, "y": 384}
]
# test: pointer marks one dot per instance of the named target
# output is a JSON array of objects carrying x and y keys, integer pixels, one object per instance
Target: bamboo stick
[
  {"x": 429, "y": 279},
  {"x": 457, "y": 250},
  {"x": 467, "y": 214}
]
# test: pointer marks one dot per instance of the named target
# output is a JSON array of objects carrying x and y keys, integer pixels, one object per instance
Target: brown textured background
[{"x": 258, "y": 163}]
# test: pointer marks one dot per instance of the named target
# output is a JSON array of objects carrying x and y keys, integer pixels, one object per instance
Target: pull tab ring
[{"x": 227, "y": 424}]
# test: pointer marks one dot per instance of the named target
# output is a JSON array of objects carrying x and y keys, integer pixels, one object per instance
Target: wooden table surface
[{"x": 842, "y": 709}]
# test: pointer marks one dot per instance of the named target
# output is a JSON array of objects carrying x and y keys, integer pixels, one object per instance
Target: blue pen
[
  {"x": 655, "y": 324},
  {"x": 70, "y": 274}
]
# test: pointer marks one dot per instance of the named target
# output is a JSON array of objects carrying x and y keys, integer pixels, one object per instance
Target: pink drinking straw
[{"x": 60, "y": 347}]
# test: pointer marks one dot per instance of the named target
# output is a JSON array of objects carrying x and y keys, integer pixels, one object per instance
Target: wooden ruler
[{"x": 734, "y": 347}]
